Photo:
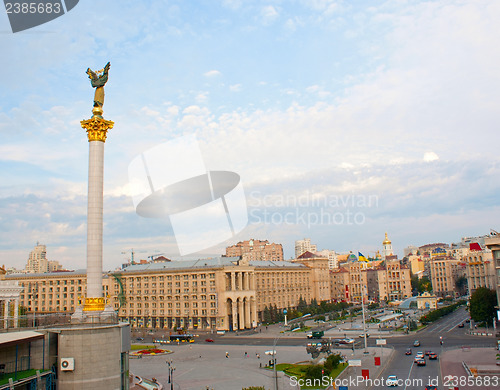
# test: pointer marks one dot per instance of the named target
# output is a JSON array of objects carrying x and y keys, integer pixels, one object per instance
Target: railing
[{"x": 54, "y": 320}]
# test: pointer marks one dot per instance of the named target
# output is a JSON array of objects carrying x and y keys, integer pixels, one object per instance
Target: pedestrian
[
  {"x": 227, "y": 355},
  {"x": 258, "y": 356},
  {"x": 246, "y": 354}
]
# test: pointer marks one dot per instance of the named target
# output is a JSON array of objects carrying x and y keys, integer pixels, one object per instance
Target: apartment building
[
  {"x": 256, "y": 250},
  {"x": 303, "y": 246},
  {"x": 444, "y": 271},
  {"x": 480, "y": 270},
  {"x": 38, "y": 262},
  {"x": 493, "y": 243}
]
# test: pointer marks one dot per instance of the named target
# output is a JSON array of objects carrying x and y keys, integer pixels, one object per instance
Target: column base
[{"x": 94, "y": 304}]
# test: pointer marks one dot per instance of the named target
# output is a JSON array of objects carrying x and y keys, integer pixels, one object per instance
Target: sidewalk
[
  {"x": 480, "y": 362},
  {"x": 350, "y": 374}
]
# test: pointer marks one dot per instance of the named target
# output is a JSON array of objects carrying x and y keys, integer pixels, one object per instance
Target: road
[{"x": 418, "y": 377}]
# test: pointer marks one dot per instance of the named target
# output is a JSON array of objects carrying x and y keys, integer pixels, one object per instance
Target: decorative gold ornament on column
[
  {"x": 94, "y": 304},
  {"x": 97, "y": 127}
]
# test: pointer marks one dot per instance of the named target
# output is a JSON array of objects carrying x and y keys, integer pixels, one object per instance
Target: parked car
[
  {"x": 416, "y": 343},
  {"x": 408, "y": 351},
  {"x": 461, "y": 325},
  {"x": 467, "y": 320},
  {"x": 421, "y": 362},
  {"x": 433, "y": 356},
  {"x": 392, "y": 380},
  {"x": 139, "y": 339}
]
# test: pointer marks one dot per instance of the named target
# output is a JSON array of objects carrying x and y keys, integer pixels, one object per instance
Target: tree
[
  {"x": 482, "y": 304},
  {"x": 332, "y": 362},
  {"x": 424, "y": 284},
  {"x": 266, "y": 315},
  {"x": 314, "y": 372},
  {"x": 461, "y": 285}
]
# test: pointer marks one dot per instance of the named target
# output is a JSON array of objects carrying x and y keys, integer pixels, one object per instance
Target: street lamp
[{"x": 171, "y": 370}]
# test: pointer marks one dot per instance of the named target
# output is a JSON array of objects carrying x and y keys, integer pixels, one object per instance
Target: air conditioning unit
[{"x": 67, "y": 364}]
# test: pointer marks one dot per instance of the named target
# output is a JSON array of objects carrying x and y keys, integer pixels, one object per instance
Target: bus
[{"x": 182, "y": 338}]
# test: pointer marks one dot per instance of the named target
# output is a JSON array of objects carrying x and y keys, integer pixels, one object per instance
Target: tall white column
[
  {"x": 6, "y": 313},
  {"x": 94, "y": 219},
  {"x": 16, "y": 312},
  {"x": 97, "y": 129}
]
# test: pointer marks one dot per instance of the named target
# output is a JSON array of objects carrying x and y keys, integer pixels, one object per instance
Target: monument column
[{"x": 97, "y": 128}]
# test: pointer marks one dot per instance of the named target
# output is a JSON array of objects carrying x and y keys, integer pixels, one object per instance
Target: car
[
  {"x": 431, "y": 388},
  {"x": 418, "y": 356},
  {"x": 392, "y": 380},
  {"x": 427, "y": 353},
  {"x": 408, "y": 351},
  {"x": 346, "y": 341},
  {"x": 420, "y": 362},
  {"x": 361, "y": 336},
  {"x": 209, "y": 340},
  {"x": 461, "y": 325},
  {"x": 433, "y": 356},
  {"x": 139, "y": 339},
  {"x": 416, "y": 343},
  {"x": 467, "y": 320}
]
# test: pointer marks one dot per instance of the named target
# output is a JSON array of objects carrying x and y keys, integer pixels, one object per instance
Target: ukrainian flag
[{"x": 361, "y": 257}]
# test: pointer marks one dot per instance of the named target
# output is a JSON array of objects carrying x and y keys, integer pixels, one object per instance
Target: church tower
[{"x": 387, "y": 251}]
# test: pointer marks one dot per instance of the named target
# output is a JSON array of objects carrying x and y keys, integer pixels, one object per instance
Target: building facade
[
  {"x": 445, "y": 271},
  {"x": 256, "y": 250},
  {"x": 219, "y": 293},
  {"x": 493, "y": 243},
  {"x": 480, "y": 270},
  {"x": 303, "y": 246}
]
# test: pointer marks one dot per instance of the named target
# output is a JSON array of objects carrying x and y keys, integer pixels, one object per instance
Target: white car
[
  {"x": 392, "y": 380},
  {"x": 419, "y": 355}
]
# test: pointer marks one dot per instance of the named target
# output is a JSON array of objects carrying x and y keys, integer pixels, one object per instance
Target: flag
[{"x": 361, "y": 257}]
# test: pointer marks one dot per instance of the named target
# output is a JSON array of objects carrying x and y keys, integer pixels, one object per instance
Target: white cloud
[
  {"x": 269, "y": 14},
  {"x": 430, "y": 156},
  {"x": 212, "y": 73}
]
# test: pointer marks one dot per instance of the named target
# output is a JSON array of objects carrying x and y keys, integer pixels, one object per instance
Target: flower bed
[{"x": 151, "y": 351}]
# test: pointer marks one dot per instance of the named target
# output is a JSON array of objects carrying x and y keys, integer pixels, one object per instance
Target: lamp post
[
  {"x": 171, "y": 370},
  {"x": 273, "y": 353}
]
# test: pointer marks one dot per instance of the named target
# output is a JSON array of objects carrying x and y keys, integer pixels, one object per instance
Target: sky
[{"x": 343, "y": 119}]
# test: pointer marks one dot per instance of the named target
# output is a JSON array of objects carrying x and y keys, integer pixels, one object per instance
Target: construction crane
[{"x": 132, "y": 253}]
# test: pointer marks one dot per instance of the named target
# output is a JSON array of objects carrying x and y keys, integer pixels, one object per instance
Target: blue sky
[{"x": 315, "y": 104}]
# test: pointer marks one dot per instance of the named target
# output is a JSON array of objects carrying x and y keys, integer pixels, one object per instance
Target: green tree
[
  {"x": 314, "y": 371},
  {"x": 332, "y": 362},
  {"x": 266, "y": 315},
  {"x": 482, "y": 304},
  {"x": 424, "y": 284},
  {"x": 461, "y": 285}
]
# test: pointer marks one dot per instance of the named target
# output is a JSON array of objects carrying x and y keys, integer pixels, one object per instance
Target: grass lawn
[
  {"x": 138, "y": 347},
  {"x": 298, "y": 370},
  {"x": 4, "y": 379}
]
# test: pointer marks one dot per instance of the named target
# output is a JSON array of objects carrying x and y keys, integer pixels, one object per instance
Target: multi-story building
[
  {"x": 303, "y": 246},
  {"x": 331, "y": 256},
  {"x": 493, "y": 243},
  {"x": 38, "y": 262},
  {"x": 480, "y": 270},
  {"x": 444, "y": 271},
  {"x": 394, "y": 281},
  {"x": 417, "y": 265},
  {"x": 219, "y": 293},
  {"x": 256, "y": 250},
  {"x": 319, "y": 275}
]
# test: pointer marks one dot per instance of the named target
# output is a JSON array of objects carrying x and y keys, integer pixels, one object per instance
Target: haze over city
[{"x": 344, "y": 121}]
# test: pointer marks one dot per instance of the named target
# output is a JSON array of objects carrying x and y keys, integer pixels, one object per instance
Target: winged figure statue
[{"x": 98, "y": 79}]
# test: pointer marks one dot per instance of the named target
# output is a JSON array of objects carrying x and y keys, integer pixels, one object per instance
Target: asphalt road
[{"x": 417, "y": 377}]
